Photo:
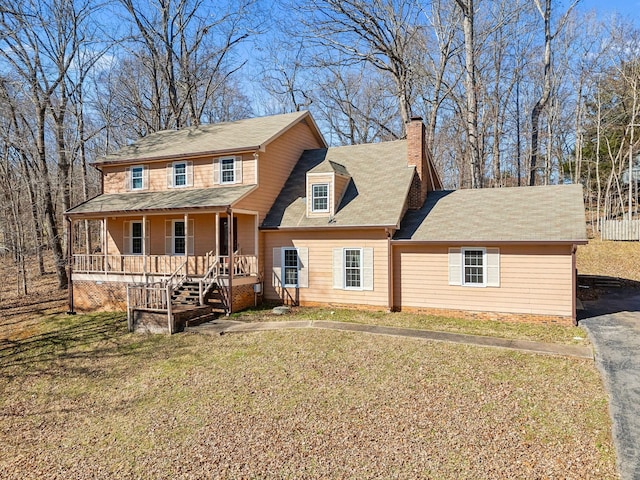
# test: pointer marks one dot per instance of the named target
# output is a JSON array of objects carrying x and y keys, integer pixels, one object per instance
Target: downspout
[
  {"x": 389, "y": 270},
  {"x": 70, "y": 267},
  {"x": 231, "y": 258}
]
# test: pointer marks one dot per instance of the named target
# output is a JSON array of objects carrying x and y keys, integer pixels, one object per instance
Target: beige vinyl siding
[
  {"x": 246, "y": 233},
  {"x": 533, "y": 279},
  {"x": 320, "y": 266},
  {"x": 341, "y": 183},
  {"x": 114, "y": 176},
  {"x": 320, "y": 179},
  {"x": 275, "y": 165}
]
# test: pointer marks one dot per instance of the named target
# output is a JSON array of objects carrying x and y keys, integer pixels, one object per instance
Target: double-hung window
[
  {"x": 179, "y": 174},
  {"x": 473, "y": 266},
  {"x": 136, "y": 238},
  {"x": 353, "y": 268},
  {"x": 290, "y": 267},
  {"x": 227, "y": 170},
  {"x": 320, "y": 197},
  {"x": 179, "y": 238},
  {"x": 137, "y": 178}
]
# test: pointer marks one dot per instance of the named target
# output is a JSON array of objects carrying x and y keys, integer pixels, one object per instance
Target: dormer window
[
  {"x": 137, "y": 178},
  {"x": 320, "y": 197}
]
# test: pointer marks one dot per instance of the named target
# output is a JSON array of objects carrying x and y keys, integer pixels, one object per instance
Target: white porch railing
[
  {"x": 243, "y": 265},
  {"x": 198, "y": 265}
]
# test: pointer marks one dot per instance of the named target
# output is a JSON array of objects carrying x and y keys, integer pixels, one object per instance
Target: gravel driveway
[{"x": 613, "y": 324}]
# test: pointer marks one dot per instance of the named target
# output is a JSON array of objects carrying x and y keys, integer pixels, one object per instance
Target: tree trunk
[{"x": 544, "y": 98}]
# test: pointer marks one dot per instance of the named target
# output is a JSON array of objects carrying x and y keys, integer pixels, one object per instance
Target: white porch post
[
  {"x": 144, "y": 245},
  {"x": 231, "y": 258},
  {"x": 186, "y": 243},
  {"x": 105, "y": 243},
  {"x": 217, "y": 234},
  {"x": 256, "y": 249}
]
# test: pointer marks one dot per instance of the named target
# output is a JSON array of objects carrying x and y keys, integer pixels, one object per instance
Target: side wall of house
[
  {"x": 533, "y": 280},
  {"x": 320, "y": 266},
  {"x": 275, "y": 165}
]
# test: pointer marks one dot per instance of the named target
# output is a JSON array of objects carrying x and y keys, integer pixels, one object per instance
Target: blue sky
[{"x": 627, "y": 8}]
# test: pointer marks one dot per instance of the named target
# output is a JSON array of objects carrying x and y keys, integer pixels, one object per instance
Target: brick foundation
[
  {"x": 99, "y": 296},
  {"x": 499, "y": 316},
  {"x": 109, "y": 296},
  {"x": 243, "y": 297},
  {"x": 464, "y": 314}
]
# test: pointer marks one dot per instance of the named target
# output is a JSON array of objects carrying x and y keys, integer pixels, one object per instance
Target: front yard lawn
[{"x": 81, "y": 398}]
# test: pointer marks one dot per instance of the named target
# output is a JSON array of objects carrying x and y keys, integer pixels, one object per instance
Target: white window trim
[
  {"x": 174, "y": 174},
  {"x": 344, "y": 269},
  {"x": 173, "y": 238},
  {"x": 484, "y": 266},
  {"x": 313, "y": 198},
  {"x": 142, "y": 185},
  {"x": 233, "y": 170},
  {"x": 284, "y": 267}
]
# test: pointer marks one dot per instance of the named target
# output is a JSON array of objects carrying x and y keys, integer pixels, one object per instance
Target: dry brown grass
[
  {"x": 87, "y": 400},
  {"x": 81, "y": 398},
  {"x": 611, "y": 259}
]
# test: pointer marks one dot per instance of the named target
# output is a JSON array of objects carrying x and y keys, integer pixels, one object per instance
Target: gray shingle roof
[
  {"x": 248, "y": 134},
  {"x": 519, "y": 214},
  {"x": 193, "y": 198},
  {"x": 375, "y": 195}
]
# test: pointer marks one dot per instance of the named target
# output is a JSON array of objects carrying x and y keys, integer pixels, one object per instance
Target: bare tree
[
  {"x": 473, "y": 147},
  {"x": 187, "y": 54},
  {"x": 385, "y": 34},
  {"x": 541, "y": 103}
]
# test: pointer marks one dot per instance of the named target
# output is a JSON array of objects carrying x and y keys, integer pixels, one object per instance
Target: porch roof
[
  {"x": 518, "y": 214},
  {"x": 187, "y": 199}
]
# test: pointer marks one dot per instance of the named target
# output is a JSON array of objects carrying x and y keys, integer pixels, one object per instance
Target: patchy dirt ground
[{"x": 20, "y": 315}]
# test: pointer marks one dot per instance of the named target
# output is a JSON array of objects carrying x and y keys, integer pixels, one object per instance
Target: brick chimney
[{"x": 417, "y": 156}]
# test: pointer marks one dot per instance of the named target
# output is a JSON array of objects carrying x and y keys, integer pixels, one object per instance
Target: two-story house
[{"x": 263, "y": 208}]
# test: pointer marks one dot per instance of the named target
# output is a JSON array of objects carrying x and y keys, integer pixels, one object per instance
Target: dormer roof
[{"x": 329, "y": 166}]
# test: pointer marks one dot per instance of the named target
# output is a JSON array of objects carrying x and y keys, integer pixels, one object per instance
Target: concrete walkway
[
  {"x": 613, "y": 325},
  {"x": 222, "y": 326}
]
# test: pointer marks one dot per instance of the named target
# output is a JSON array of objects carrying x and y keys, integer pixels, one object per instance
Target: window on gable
[
  {"x": 290, "y": 267},
  {"x": 227, "y": 170},
  {"x": 179, "y": 174},
  {"x": 137, "y": 178},
  {"x": 320, "y": 197},
  {"x": 353, "y": 268},
  {"x": 136, "y": 238},
  {"x": 473, "y": 267}
]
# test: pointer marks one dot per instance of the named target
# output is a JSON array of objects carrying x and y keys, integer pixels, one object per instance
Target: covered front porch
[
  {"x": 167, "y": 263},
  {"x": 148, "y": 247}
]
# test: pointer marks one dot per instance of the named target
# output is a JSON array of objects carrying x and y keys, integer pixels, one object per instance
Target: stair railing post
[
  {"x": 200, "y": 293},
  {"x": 169, "y": 313}
]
